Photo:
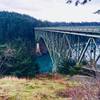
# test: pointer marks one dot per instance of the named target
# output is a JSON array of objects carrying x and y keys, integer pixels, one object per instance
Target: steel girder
[{"x": 71, "y": 46}]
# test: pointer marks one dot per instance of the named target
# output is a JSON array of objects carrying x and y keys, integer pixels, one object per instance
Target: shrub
[
  {"x": 68, "y": 66},
  {"x": 74, "y": 70},
  {"x": 17, "y": 61},
  {"x": 82, "y": 92}
]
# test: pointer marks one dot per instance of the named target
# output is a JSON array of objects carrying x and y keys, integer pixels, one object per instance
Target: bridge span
[{"x": 80, "y": 43}]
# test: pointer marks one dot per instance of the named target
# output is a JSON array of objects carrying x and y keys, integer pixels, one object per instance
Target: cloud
[{"x": 52, "y": 10}]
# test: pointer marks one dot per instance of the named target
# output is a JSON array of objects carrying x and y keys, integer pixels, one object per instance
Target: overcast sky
[{"x": 53, "y": 10}]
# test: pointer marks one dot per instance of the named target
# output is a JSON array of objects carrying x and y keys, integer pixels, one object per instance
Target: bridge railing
[{"x": 83, "y": 31}]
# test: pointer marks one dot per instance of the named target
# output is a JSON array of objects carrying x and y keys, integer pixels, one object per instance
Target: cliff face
[{"x": 43, "y": 47}]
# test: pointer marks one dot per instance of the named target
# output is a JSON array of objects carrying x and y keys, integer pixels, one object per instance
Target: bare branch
[
  {"x": 77, "y": 2},
  {"x": 97, "y": 12},
  {"x": 69, "y": 1}
]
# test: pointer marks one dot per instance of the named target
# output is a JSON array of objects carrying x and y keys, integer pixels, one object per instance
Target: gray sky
[{"x": 53, "y": 10}]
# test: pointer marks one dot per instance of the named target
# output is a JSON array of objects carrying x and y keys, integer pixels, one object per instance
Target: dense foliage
[
  {"x": 16, "y": 61},
  {"x": 68, "y": 67},
  {"x": 17, "y": 45}
]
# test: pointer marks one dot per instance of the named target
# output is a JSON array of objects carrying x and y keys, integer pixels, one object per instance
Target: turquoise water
[{"x": 45, "y": 63}]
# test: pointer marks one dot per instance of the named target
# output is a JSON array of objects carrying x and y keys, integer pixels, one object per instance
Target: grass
[
  {"x": 40, "y": 88},
  {"x": 12, "y": 88}
]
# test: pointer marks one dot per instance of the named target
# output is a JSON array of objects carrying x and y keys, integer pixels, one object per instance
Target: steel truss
[{"x": 72, "y": 46}]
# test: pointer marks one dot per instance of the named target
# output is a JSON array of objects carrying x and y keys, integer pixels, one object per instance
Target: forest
[{"x": 17, "y": 43}]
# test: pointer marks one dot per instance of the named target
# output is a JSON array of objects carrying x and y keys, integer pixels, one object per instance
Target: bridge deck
[
  {"x": 90, "y": 31},
  {"x": 79, "y": 49}
]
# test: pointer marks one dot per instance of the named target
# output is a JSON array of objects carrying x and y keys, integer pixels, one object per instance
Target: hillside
[{"x": 17, "y": 43}]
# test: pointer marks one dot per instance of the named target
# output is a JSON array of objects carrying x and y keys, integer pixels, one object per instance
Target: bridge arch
[
  {"x": 62, "y": 44},
  {"x": 49, "y": 47},
  {"x": 56, "y": 46}
]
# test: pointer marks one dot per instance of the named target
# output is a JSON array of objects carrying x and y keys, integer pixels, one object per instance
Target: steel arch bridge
[{"x": 78, "y": 43}]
